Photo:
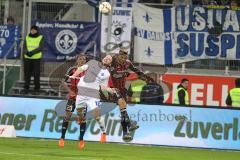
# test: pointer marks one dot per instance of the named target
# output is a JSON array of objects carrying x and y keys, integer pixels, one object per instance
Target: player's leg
[
  {"x": 132, "y": 125},
  {"x": 81, "y": 107},
  {"x": 101, "y": 124},
  {"x": 126, "y": 122},
  {"x": 95, "y": 106},
  {"x": 82, "y": 122},
  {"x": 69, "y": 109}
]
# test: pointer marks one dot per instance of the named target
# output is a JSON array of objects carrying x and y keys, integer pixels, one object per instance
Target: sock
[
  {"x": 125, "y": 120},
  {"x": 101, "y": 124},
  {"x": 64, "y": 128},
  {"x": 82, "y": 130}
]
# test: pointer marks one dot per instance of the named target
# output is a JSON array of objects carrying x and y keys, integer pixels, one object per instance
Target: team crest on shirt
[{"x": 66, "y": 41}]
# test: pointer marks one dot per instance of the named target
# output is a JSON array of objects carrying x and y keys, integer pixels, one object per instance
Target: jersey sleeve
[
  {"x": 84, "y": 67},
  {"x": 134, "y": 69}
]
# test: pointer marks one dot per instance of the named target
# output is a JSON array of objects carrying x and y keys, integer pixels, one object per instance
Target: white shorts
[{"x": 89, "y": 102}]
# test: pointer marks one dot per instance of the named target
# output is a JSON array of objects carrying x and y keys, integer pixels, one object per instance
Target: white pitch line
[{"x": 35, "y": 155}]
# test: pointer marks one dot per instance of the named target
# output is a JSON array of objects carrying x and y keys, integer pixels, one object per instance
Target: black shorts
[{"x": 71, "y": 105}]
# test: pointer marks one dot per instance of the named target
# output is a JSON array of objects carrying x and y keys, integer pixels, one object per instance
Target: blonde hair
[{"x": 79, "y": 60}]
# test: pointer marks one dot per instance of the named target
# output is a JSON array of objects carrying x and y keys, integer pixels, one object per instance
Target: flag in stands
[
  {"x": 125, "y": 3},
  {"x": 181, "y": 34},
  {"x": 116, "y": 3},
  {"x": 152, "y": 34}
]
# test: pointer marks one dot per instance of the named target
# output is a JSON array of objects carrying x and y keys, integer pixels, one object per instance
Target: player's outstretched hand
[{"x": 73, "y": 77}]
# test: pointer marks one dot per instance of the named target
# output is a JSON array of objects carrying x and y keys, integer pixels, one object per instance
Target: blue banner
[
  {"x": 63, "y": 40},
  {"x": 9, "y": 41},
  {"x": 206, "y": 32},
  {"x": 204, "y": 127}
]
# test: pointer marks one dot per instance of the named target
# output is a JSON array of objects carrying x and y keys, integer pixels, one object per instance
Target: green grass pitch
[{"x": 44, "y": 149}]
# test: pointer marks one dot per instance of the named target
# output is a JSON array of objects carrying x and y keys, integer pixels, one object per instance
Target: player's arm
[
  {"x": 79, "y": 71},
  {"x": 135, "y": 69},
  {"x": 66, "y": 81},
  {"x": 107, "y": 89},
  {"x": 140, "y": 74},
  {"x": 65, "y": 85}
]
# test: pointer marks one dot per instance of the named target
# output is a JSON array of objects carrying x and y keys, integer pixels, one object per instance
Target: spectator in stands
[
  {"x": 149, "y": 1},
  {"x": 199, "y": 2},
  {"x": 207, "y": 2},
  {"x": 152, "y": 92},
  {"x": 182, "y": 2},
  {"x": 225, "y": 2},
  {"x": 182, "y": 96},
  {"x": 134, "y": 90},
  {"x": 10, "y": 20},
  {"x": 234, "y": 5},
  {"x": 233, "y": 98},
  {"x": 32, "y": 49},
  {"x": 213, "y": 3},
  {"x": 157, "y": 3}
]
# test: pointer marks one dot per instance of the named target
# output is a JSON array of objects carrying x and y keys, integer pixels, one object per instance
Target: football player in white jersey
[{"x": 96, "y": 77}]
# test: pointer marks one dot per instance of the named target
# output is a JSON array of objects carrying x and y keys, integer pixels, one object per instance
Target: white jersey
[{"x": 95, "y": 75}]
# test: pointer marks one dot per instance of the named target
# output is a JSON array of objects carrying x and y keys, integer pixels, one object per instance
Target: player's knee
[
  {"x": 97, "y": 118},
  {"x": 122, "y": 103},
  {"x": 66, "y": 118},
  {"x": 125, "y": 119},
  {"x": 80, "y": 113}
]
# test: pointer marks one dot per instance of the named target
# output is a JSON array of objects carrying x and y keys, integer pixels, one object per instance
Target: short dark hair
[
  {"x": 123, "y": 51},
  {"x": 34, "y": 27},
  {"x": 237, "y": 82},
  {"x": 184, "y": 80},
  {"x": 10, "y": 19}
]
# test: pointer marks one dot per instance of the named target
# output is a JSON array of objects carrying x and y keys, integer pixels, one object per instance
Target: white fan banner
[
  {"x": 152, "y": 34},
  {"x": 120, "y": 34},
  {"x": 181, "y": 34}
]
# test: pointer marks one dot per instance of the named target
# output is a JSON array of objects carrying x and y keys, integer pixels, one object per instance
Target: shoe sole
[
  {"x": 127, "y": 139},
  {"x": 81, "y": 148},
  {"x": 131, "y": 129},
  {"x": 103, "y": 142},
  {"x": 180, "y": 118},
  {"x": 61, "y": 145}
]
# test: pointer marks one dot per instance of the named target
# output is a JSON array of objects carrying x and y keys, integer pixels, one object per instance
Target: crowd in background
[
  {"x": 233, "y": 4},
  {"x": 194, "y": 2}
]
